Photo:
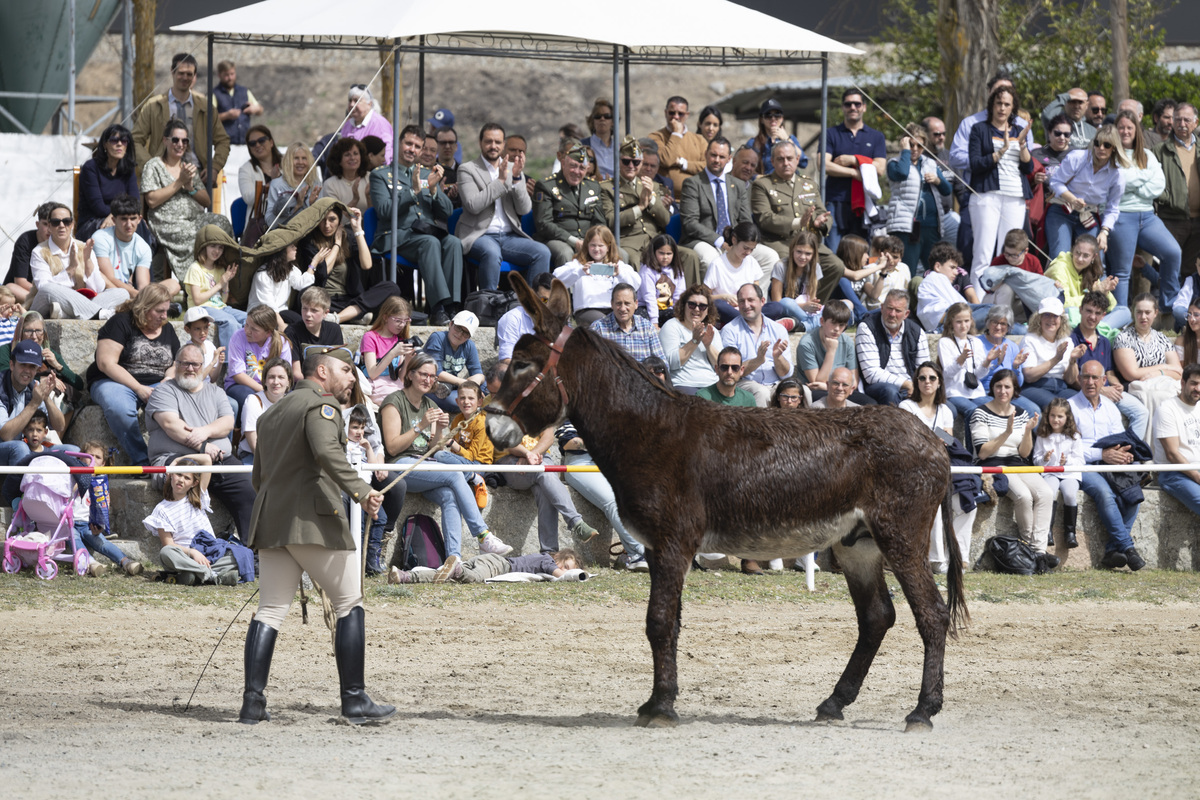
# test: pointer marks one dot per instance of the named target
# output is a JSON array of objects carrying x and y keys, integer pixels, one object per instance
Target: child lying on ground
[{"x": 488, "y": 565}]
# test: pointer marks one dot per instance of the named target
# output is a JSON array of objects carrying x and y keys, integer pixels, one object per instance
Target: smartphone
[{"x": 599, "y": 268}]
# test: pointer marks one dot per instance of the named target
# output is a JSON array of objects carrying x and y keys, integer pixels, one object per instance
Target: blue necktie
[{"x": 722, "y": 207}]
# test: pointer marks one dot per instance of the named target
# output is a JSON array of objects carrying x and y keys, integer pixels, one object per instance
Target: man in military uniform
[
  {"x": 438, "y": 255},
  {"x": 783, "y": 203},
  {"x": 298, "y": 525},
  {"x": 566, "y": 204},
  {"x": 644, "y": 213}
]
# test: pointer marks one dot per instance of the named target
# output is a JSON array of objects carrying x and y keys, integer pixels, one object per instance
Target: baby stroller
[{"x": 45, "y": 522}]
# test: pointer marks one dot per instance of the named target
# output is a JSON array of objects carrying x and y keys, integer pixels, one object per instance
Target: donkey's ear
[
  {"x": 559, "y": 303},
  {"x": 529, "y": 300}
]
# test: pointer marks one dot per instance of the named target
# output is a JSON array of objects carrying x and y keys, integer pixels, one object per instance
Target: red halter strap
[{"x": 550, "y": 369}]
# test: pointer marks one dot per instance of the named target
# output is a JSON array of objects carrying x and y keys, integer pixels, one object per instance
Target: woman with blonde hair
[
  {"x": 595, "y": 272},
  {"x": 1090, "y": 185},
  {"x": 600, "y": 123},
  {"x": 297, "y": 187},
  {"x": 1050, "y": 364}
]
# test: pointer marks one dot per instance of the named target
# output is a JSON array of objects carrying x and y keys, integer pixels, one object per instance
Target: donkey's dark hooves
[
  {"x": 918, "y": 726},
  {"x": 829, "y": 712},
  {"x": 657, "y": 721}
]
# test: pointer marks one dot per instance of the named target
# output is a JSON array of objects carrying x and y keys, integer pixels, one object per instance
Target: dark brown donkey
[{"x": 690, "y": 475}]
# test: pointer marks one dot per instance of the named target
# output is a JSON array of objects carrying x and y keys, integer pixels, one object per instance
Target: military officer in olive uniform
[
  {"x": 644, "y": 215},
  {"x": 565, "y": 205},
  {"x": 298, "y": 525},
  {"x": 783, "y": 203},
  {"x": 421, "y": 206}
]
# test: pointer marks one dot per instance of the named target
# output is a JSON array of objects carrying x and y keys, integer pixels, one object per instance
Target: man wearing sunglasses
[
  {"x": 844, "y": 143},
  {"x": 644, "y": 212},
  {"x": 180, "y": 102},
  {"x": 235, "y": 103},
  {"x": 680, "y": 151},
  {"x": 1074, "y": 104}
]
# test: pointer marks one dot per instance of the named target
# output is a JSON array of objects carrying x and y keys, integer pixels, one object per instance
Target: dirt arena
[{"x": 1081, "y": 700}]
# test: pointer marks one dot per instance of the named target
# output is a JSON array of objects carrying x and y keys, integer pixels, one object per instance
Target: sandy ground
[{"x": 1090, "y": 700}]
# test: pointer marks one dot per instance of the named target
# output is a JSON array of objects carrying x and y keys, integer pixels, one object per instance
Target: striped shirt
[
  {"x": 181, "y": 519},
  {"x": 641, "y": 342}
]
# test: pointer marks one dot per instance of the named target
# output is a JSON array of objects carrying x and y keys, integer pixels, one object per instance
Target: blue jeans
[
  {"x": 595, "y": 487},
  {"x": 229, "y": 321},
  {"x": 845, "y": 291},
  {"x": 1117, "y": 516},
  {"x": 809, "y": 319},
  {"x": 120, "y": 406},
  {"x": 490, "y": 249},
  {"x": 727, "y": 312},
  {"x": 237, "y": 397},
  {"x": 1136, "y": 415},
  {"x": 451, "y": 492},
  {"x": 1043, "y": 390},
  {"x": 889, "y": 394},
  {"x": 1182, "y": 488},
  {"x": 1062, "y": 229},
  {"x": 12, "y": 452},
  {"x": 1119, "y": 317},
  {"x": 963, "y": 406},
  {"x": 97, "y": 544},
  {"x": 1142, "y": 229}
]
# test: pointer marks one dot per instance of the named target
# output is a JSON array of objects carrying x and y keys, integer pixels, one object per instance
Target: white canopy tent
[{"x": 712, "y": 33}]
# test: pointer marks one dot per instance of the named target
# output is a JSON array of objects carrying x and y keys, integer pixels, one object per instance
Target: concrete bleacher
[{"x": 1166, "y": 534}]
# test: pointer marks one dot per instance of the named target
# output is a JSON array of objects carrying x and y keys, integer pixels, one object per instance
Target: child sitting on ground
[
  {"x": 10, "y": 314},
  {"x": 36, "y": 430},
  {"x": 471, "y": 445},
  {"x": 92, "y": 517},
  {"x": 488, "y": 565},
  {"x": 178, "y": 519},
  {"x": 359, "y": 451}
]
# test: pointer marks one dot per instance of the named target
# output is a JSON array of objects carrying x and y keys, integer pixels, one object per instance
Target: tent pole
[
  {"x": 395, "y": 221},
  {"x": 824, "y": 120},
  {"x": 211, "y": 116},
  {"x": 71, "y": 68},
  {"x": 628, "y": 113},
  {"x": 616, "y": 145},
  {"x": 421, "y": 84}
]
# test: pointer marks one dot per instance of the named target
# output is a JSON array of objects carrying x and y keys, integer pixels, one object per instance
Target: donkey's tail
[{"x": 959, "y": 615}]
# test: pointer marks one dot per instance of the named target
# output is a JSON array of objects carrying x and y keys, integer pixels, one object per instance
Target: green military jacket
[
  {"x": 775, "y": 203},
  {"x": 300, "y": 472},
  {"x": 636, "y": 221},
  {"x": 561, "y": 212}
]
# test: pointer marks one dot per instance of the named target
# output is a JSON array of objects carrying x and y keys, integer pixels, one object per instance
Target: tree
[
  {"x": 934, "y": 57},
  {"x": 143, "y": 65}
]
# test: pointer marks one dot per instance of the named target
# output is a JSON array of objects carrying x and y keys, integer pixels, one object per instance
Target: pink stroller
[{"x": 46, "y": 508}]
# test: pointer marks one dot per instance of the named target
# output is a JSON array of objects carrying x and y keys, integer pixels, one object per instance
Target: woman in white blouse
[
  {"x": 928, "y": 400},
  {"x": 594, "y": 273},
  {"x": 959, "y": 353},
  {"x": 1051, "y": 362}
]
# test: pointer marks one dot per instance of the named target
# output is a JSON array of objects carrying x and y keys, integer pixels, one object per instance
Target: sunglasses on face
[
  {"x": 119, "y": 140},
  {"x": 631, "y": 162},
  {"x": 1103, "y": 145},
  {"x": 179, "y": 140},
  {"x": 260, "y": 140},
  {"x": 451, "y": 143},
  {"x": 1062, "y": 134},
  {"x": 729, "y": 367},
  {"x": 55, "y": 222},
  {"x": 773, "y": 115},
  {"x": 694, "y": 306},
  {"x": 602, "y": 116},
  {"x": 1099, "y": 110},
  {"x": 852, "y": 104}
]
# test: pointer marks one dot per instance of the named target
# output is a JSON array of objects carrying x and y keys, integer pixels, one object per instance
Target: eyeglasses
[
  {"x": 1105, "y": 145},
  {"x": 631, "y": 162},
  {"x": 191, "y": 364},
  {"x": 602, "y": 116},
  {"x": 55, "y": 222},
  {"x": 178, "y": 140},
  {"x": 1021, "y": 254},
  {"x": 258, "y": 141},
  {"x": 729, "y": 367},
  {"x": 40, "y": 332},
  {"x": 852, "y": 104},
  {"x": 1099, "y": 110},
  {"x": 400, "y": 320},
  {"x": 426, "y": 376},
  {"x": 789, "y": 398},
  {"x": 1061, "y": 134},
  {"x": 694, "y": 306},
  {"x": 1193, "y": 315}
]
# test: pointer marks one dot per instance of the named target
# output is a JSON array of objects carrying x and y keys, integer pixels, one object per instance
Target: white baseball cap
[
  {"x": 467, "y": 320},
  {"x": 196, "y": 313},
  {"x": 1051, "y": 305}
]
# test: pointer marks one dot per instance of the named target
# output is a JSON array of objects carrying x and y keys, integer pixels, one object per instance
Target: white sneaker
[
  {"x": 490, "y": 543},
  {"x": 450, "y": 568},
  {"x": 105, "y": 313},
  {"x": 775, "y": 565},
  {"x": 56, "y": 311},
  {"x": 637, "y": 564}
]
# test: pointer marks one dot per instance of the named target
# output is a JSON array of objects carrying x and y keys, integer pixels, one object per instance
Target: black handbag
[{"x": 490, "y": 305}]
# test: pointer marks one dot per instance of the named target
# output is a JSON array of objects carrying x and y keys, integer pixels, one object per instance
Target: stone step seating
[{"x": 1166, "y": 533}]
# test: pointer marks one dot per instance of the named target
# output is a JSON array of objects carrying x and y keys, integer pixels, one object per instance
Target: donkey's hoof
[
  {"x": 918, "y": 725},
  {"x": 829, "y": 712},
  {"x": 658, "y": 720}
]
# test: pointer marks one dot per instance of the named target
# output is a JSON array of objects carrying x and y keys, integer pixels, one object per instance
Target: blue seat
[
  {"x": 675, "y": 227},
  {"x": 370, "y": 224},
  {"x": 237, "y": 214}
]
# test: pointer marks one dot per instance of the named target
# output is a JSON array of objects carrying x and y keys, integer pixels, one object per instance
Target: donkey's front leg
[{"x": 668, "y": 566}]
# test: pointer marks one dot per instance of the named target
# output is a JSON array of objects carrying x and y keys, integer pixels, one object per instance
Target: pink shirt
[{"x": 377, "y": 344}]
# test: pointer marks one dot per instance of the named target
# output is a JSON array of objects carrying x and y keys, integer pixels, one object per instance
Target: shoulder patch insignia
[
  {"x": 539, "y": 197},
  {"x": 327, "y": 411}
]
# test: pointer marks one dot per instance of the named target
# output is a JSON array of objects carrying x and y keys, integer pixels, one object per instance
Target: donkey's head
[{"x": 530, "y": 398}]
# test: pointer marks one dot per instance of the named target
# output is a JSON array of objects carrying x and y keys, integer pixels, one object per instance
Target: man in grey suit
[
  {"x": 438, "y": 256},
  {"x": 493, "y": 193},
  {"x": 704, "y": 220}
]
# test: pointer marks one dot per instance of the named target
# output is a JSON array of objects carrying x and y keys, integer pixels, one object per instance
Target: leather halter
[{"x": 550, "y": 369}]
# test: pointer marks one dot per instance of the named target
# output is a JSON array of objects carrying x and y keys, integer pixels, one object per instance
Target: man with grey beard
[{"x": 186, "y": 415}]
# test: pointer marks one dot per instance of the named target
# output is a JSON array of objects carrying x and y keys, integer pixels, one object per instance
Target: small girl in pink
[{"x": 385, "y": 348}]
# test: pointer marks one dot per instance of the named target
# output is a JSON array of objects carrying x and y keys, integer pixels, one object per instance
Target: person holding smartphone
[{"x": 592, "y": 275}]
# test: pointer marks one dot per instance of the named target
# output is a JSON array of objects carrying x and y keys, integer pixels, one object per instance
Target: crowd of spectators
[{"x": 1007, "y": 229}]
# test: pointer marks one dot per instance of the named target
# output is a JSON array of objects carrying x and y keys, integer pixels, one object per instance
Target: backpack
[
  {"x": 1012, "y": 556},
  {"x": 490, "y": 305},
  {"x": 422, "y": 542}
]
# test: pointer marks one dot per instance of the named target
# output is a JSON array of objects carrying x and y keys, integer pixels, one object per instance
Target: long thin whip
[{"x": 214, "y": 650}]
